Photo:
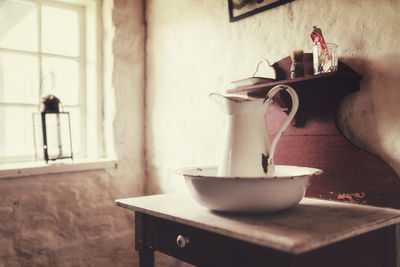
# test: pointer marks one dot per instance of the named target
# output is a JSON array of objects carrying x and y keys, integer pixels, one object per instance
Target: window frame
[{"x": 90, "y": 82}]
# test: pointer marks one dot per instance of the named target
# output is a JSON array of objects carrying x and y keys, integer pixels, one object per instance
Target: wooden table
[{"x": 315, "y": 233}]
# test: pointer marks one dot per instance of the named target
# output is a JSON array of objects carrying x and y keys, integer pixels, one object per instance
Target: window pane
[
  {"x": 18, "y": 25},
  {"x": 60, "y": 31},
  {"x": 61, "y": 78},
  {"x": 19, "y": 78},
  {"x": 17, "y": 131}
]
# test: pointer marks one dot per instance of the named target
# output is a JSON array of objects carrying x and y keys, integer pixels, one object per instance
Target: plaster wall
[
  {"x": 70, "y": 219},
  {"x": 192, "y": 49}
]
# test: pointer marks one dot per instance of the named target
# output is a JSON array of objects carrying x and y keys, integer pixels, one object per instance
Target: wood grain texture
[
  {"x": 205, "y": 248},
  {"x": 310, "y": 225}
]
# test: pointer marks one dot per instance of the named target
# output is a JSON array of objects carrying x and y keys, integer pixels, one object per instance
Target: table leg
[
  {"x": 390, "y": 246},
  {"x": 146, "y": 258},
  {"x": 146, "y": 253}
]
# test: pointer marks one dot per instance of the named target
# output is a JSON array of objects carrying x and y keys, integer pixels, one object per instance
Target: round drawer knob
[{"x": 182, "y": 241}]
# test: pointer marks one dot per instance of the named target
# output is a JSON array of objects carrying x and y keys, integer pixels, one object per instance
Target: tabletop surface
[{"x": 311, "y": 224}]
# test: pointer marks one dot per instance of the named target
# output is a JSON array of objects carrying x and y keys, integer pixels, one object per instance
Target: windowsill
[{"x": 15, "y": 170}]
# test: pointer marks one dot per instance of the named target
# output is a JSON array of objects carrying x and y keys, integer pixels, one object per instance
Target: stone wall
[{"x": 70, "y": 219}]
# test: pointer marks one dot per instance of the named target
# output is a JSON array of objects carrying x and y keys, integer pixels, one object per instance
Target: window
[{"x": 48, "y": 47}]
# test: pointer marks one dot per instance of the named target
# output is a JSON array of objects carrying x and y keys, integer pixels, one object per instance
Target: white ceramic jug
[{"x": 248, "y": 151}]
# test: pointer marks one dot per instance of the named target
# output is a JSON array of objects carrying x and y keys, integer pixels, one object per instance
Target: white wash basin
[{"x": 248, "y": 194}]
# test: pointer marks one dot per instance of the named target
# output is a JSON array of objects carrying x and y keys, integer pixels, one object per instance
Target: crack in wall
[{"x": 145, "y": 141}]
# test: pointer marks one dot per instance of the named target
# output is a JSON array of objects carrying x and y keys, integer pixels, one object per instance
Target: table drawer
[{"x": 195, "y": 246}]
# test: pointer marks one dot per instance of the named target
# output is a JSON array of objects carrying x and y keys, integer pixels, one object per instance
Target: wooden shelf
[
  {"x": 344, "y": 74},
  {"x": 259, "y": 89},
  {"x": 314, "y": 139}
]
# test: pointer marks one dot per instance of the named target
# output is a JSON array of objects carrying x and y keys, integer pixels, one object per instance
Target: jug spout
[
  {"x": 223, "y": 100},
  {"x": 235, "y": 97},
  {"x": 237, "y": 104}
]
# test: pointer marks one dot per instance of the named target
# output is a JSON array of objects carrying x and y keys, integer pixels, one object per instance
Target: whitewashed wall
[{"x": 192, "y": 49}]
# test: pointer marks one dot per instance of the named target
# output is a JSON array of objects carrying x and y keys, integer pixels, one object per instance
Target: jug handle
[{"x": 285, "y": 124}]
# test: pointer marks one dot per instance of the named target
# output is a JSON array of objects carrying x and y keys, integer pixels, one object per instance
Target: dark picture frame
[{"x": 240, "y": 9}]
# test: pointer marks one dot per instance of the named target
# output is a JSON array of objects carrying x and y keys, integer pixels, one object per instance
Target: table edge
[{"x": 296, "y": 249}]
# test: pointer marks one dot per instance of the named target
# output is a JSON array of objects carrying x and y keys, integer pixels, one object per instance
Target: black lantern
[{"x": 52, "y": 131}]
